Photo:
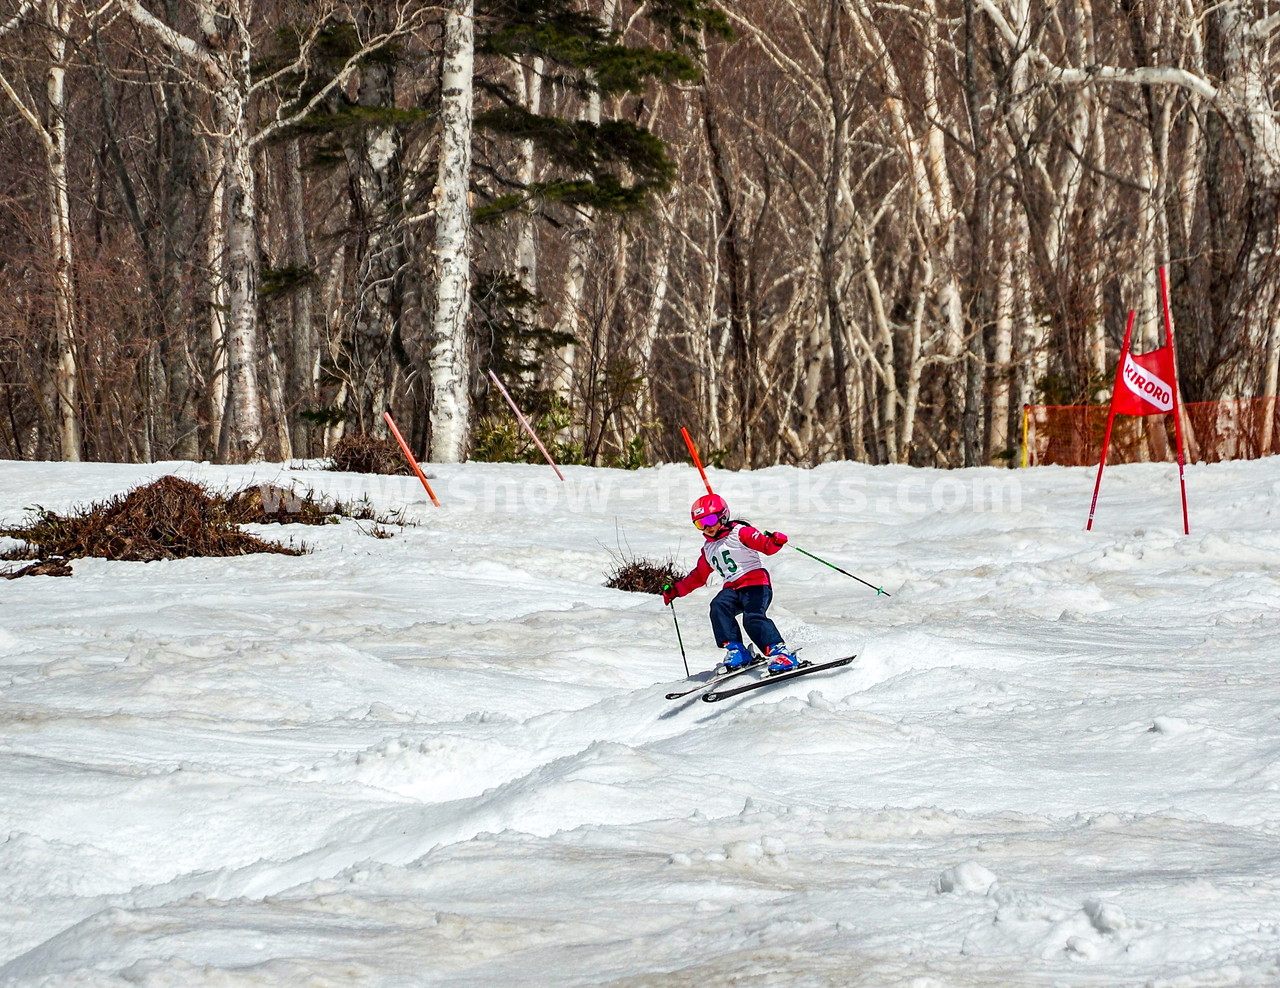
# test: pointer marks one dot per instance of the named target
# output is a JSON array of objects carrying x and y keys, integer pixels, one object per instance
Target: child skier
[{"x": 733, "y": 549}]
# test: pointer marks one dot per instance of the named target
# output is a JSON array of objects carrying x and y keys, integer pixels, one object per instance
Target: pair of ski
[{"x": 711, "y": 693}]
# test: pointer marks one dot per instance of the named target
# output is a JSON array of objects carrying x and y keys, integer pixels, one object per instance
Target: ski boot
[
  {"x": 735, "y": 657},
  {"x": 781, "y": 659}
]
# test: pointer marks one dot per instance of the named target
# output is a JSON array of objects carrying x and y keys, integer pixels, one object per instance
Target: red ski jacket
[{"x": 735, "y": 555}]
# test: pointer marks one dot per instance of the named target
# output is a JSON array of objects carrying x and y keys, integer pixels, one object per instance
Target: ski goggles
[{"x": 709, "y": 523}]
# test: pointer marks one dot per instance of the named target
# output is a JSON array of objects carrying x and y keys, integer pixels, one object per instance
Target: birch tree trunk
[
  {"x": 1002, "y": 343},
  {"x": 242, "y": 424},
  {"x": 451, "y": 350},
  {"x": 973, "y": 434},
  {"x": 529, "y": 87},
  {"x": 276, "y": 399},
  {"x": 225, "y": 52},
  {"x": 942, "y": 201},
  {"x": 302, "y": 366},
  {"x": 216, "y": 295},
  {"x": 581, "y": 244},
  {"x": 52, "y": 135},
  {"x": 659, "y": 278},
  {"x": 65, "y": 378},
  {"x": 885, "y": 357}
]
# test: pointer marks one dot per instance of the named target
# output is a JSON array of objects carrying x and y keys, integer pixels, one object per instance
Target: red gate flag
[{"x": 1146, "y": 383}]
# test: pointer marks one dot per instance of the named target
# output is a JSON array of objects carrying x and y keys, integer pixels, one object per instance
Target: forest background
[{"x": 805, "y": 229}]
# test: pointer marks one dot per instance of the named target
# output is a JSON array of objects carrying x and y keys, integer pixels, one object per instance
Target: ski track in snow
[{"x": 445, "y": 758}]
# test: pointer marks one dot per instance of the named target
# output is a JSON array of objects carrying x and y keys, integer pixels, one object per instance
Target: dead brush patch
[
  {"x": 363, "y": 453},
  {"x": 642, "y": 575},
  {"x": 267, "y": 504},
  {"x": 171, "y": 518},
  {"x": 48, "y": 567}
]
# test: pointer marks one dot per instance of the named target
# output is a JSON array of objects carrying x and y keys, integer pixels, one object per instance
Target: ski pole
[
  {"x": 683, "y": 657},
  {"x": 878, "y": 590}
]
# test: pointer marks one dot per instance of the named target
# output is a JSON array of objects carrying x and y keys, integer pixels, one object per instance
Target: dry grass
[
  {"x": 363, "y": 453},
  {"x": 174, "y": 518},
  {"x": 49, "y": 567},
  {"x": 170, "y": 518},
  {"x": 642, "y": 575},
  {"x": 267, "y": 504}
]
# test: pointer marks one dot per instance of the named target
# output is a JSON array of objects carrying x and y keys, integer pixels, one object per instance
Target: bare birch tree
[
  {"x": 1241, "y": 94},
  {"x": 223, "y": 51},
  {"x": 47, "y": 120},
  {"x": 450, "y": 350},
  {"x": 872, "y": 230}
]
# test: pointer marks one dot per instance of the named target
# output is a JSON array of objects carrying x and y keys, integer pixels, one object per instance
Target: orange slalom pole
[
  {"x": 1177, "y": 406},
  {"x": 1106, "y": 439},
  {"x": 404, "y": 448},
  {"x": 696, "y": 462}
]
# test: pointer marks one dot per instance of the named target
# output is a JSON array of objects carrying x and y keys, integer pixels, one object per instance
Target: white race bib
[{"x": 730, "y": 558}]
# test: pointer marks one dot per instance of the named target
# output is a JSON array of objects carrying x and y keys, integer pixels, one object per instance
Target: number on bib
[{"x": 727, "y": 568}]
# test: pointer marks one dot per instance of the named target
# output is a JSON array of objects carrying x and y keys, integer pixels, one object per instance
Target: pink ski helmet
[{"x": 709, "y": 512}]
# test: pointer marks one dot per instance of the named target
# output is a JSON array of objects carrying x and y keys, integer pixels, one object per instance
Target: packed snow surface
[{"x": 445, "y": 757}]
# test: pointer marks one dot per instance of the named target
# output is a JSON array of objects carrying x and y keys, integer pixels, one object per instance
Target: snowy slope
[{"x": 445, "y": 758}]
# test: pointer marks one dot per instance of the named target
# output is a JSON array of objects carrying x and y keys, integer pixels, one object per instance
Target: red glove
[
  {"x": 778, "y": 539},
  {"x": 669, "y": 594}
]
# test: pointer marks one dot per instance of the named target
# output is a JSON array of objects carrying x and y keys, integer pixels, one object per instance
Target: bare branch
[
  {"x": 1153, "y": 75},
  {"x": 16, "y": 19},
  {"x": 776, "y": 54},
  {"x": 175, "y": 40},
  {"x": 27, "y": 113},
  {"x": 407, "y": 23},
  {"x": 1265, "y": 27}
]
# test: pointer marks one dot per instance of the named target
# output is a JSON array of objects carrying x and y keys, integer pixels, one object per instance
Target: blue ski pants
[{"x": 751, "y": 603}]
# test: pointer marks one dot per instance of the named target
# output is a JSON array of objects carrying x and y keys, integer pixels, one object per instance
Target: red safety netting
[{"x": 1071, "y": 435}]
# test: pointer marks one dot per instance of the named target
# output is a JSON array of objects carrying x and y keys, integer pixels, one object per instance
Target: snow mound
[{"x": 968, "y": 876}]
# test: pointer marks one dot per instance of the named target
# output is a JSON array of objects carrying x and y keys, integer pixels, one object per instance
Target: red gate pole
[
  {"x": 696, "y": 462},
  {"x": 404, "y": 448},
  {"x": 1111, "y": 417},
  {"x": 1177, "y": 405}
]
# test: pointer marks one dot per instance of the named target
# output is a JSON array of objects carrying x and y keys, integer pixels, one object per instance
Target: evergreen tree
[
  {"x": 592, "y": 159},
  {"x": 612, "y": 166}
]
